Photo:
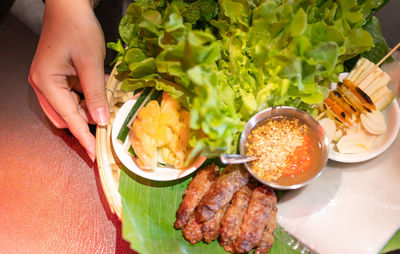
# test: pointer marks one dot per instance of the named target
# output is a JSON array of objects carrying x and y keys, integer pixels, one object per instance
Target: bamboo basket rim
[{"x": 105, "y": 160}]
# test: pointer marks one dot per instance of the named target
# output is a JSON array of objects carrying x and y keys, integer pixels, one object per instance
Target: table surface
[{"x": 51, "y": 197}]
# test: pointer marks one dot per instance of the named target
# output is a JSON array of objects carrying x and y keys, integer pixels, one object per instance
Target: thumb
[{"x": 91, "y": 76}]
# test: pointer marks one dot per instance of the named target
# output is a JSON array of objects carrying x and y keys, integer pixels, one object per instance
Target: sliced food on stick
[
  {"x": 356, "y": 96},
  {"x": 343, "y": 102},
  {"x": 354, "y": 107}
]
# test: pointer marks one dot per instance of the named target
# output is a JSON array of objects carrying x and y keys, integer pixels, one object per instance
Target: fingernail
[
  {"x": 91, "y": 157},
  {"x": 101, "y": 116},
  {"x": 92, "y": 154},
  {"x": 91, "y": 150}
]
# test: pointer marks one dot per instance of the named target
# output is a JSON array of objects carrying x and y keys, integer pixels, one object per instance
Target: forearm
[
  {"x": 70, "y": 4},
  {"x": 71, "y": 44}
]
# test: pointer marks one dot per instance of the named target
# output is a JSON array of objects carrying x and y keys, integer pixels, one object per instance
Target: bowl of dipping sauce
[{"x": 291, "y": 147}]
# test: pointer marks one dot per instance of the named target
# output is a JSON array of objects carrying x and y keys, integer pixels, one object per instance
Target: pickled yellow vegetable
[
  {"x": 173, "y": 132},
  {"x": 165, "y": 127},
  {"x": 144, "y": 140}
]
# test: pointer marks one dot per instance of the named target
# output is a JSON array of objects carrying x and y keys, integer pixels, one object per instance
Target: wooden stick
[{"x": 388, "y": 54}]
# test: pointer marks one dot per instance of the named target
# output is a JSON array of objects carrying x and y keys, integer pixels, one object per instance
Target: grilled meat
[
  {"x": 194, "y": 193},
  {"x": 261, "y": 208},
  {"x": 221, "y": 192},
  {"x": 267, "y": 239},
  {"x": 211, "y": 228},
  {"x": 192, "y": 231},
  {"x": 230, "y": 224},
  {"x": 232, "y": 206}
]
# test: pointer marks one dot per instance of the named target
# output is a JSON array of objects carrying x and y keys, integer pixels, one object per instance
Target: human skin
[{"x": 69, "y": 58}]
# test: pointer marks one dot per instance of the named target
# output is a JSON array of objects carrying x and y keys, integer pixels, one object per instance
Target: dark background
[{"x": 389, "y": 16}]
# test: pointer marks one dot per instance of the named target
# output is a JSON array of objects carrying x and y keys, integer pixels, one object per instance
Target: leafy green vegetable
[
  {"x": 132, "y": 151},
  {"x": 380, "y": 48},
  {"x": 123, "y": 132},
  {"x": 378, "y": 51},
  {"x": 198, "y": 11},
  {"x": 370, "y": 7},
  {"x": 224, "y": 61}
]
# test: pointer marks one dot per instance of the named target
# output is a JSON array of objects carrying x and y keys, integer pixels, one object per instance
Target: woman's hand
[{"x": 69, "y": 58}]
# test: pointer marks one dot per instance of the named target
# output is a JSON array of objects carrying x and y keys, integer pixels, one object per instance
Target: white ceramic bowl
[{"x": 161, "y": 173}]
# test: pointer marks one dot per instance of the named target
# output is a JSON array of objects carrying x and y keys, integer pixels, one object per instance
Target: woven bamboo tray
[{"x": 107, "y": 161}]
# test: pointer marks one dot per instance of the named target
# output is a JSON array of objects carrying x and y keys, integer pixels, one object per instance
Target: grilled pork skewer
[
  {"x": 260, "y": 211},
  {"x": 211, "y": 228},
  {"x": 221, "y": 192},
  {"x": 197, "y": 188},
  {"x": 192, "y": 231},
  {"x": 233, "y": 218},
  {"x": 267, "y": 239}
]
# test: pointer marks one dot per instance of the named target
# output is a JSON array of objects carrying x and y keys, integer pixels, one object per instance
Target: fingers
[
  {"x": 62, "y": 54},
  {"x": 65, "y": 104},
  {"x": 91, "y": 76},
  {"x": 54, "y": 117},
  {"x": 82, "y": 108},
  {"x": 62, "y": 108},
  {"x": 48, "y": 109}
]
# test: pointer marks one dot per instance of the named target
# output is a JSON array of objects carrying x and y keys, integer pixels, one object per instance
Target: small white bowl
[{"x": 160, "y": 173}]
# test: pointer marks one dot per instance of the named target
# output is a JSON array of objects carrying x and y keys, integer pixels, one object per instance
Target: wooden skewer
[{"x": 388, "y": 54}]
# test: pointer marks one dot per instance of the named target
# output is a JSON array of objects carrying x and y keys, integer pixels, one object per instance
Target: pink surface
[{"x": 51, "y": 199}]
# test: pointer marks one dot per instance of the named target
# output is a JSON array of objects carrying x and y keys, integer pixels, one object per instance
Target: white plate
[
  {"x": 161, "y": 173},
  {"x": 350, "y": 208},
  {"x": 392, "y": 117}
]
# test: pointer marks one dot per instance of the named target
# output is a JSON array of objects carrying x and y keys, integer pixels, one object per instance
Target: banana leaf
[
  {"x": 393, "y": 245},
  {"x": 148, "y": 209}
]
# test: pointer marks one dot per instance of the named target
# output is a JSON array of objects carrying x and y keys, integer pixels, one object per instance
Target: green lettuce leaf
[{"x": 252, "y": 55}]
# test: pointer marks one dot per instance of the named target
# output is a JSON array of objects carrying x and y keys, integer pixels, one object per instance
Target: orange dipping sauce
[{"x": 286, "y": 148}]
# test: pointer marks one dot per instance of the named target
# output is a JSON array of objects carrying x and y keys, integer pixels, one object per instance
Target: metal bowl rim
[{"x": 307, "y": 118}]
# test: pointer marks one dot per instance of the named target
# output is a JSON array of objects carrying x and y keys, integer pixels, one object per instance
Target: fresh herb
[
  {"x": 132, "y": 151},
  {"x": 252, "y": 55},
  {"x": 138, "y": 91},
  {"x": 123, "y": 132}
]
